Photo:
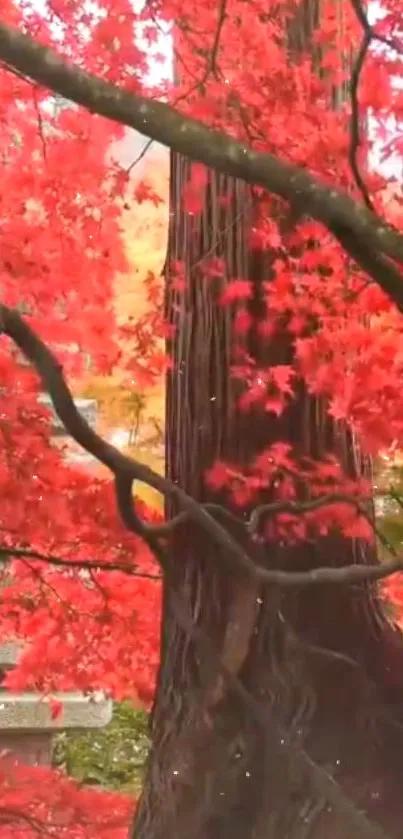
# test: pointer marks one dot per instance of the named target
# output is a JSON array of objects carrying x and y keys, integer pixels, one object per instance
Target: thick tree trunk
[{"x": 323, "y": 663}]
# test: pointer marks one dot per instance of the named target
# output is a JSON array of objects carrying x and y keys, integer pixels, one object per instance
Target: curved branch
[
  {"x": 161, "y": 122},
  {"x": 369, "y": 34},
  {"x": 126, "y": 470},
  {"x": 50, "y": 372}
]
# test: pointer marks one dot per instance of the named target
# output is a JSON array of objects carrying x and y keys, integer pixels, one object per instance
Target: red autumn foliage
[
  {"x": 60, "y": 248},
  {"x": 38, "y": 802}
]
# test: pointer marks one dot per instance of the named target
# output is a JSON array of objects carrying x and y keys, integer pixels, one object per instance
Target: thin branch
[
  {"x": 222, "y": 14},
  {"x": 139, "y": 157},
  {"x": 355, "y": 128},
  {"x": 317, "y": 576},
  {"x": 10, "y": 816},
  {"x": 211, "y": 68},
  {"x": 40, "y": 123},
  {"x": 362, "y": 233},
  {"x": 44, "y": 584},
  {"x": 369, "y": 34},
  {"x": 78, "y": 564},
  {"x": 371, "y": 30},
  {"x": 298, "y": 508}
]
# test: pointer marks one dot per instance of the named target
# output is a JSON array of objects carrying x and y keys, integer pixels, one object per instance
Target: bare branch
[
  {"x": 139, "y": 157},
  {"x": 40, "y": 123},
  {"x": 222, "y": 13},
  {"x": 355, "y": 128},
  {"x": 373, "y": 244},
  {"x": 370, "y": 31},
  {"x": 369, "y": 34},
  {"x": 211, "y": 68}
]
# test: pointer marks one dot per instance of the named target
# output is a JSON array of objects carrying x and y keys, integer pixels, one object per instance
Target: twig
[
  {"x": 40, "y": 122},
  {"x": 139, "y": 157},
  {"x": 369, "y": 34},
  {"x": 355, "y": 128},
  {"x": 80, "y": 564},
  {"x": 222, "y": 13},
  {"x": 210, "y": 69},
  {"x": 371, "y": 31}
]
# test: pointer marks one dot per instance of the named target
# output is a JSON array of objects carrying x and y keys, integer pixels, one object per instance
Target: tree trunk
[
  {"x": 323, "y": 662},
  {"x": 316, "y": 752}
]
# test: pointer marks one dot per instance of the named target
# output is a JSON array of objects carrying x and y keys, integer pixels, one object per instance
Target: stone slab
[
  {"x": 9, "y": 655},
  {"x": 30, "y": 712},
  {"x": 88, "y": 408}
]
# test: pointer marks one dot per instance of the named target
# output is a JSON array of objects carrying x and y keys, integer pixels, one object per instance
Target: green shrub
[{"x": 113, "y": 757}]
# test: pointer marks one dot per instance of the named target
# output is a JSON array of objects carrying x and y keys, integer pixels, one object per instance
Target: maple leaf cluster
[
  {"x": 276, "y": 475},
  {"x": 79, "y": 622},
  {"x": 61, "y": 250},
  {"x": 37, "y": 801}
]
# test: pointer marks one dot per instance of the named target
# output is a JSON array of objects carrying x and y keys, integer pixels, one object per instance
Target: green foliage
[
  {"x": 389, "y": 498},
  {"x": 113, "y": 757},
  {"x": 392, "y": 528}
]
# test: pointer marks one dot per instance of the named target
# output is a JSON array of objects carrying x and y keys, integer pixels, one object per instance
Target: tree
[
  {"x": 212, "y": 775},
  {"x": 323, "y": 300}
]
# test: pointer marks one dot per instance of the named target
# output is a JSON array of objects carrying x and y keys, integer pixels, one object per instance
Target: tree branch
[
  {"x": 367, "y": 233},
  {"x": 126, "y": 470}
]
